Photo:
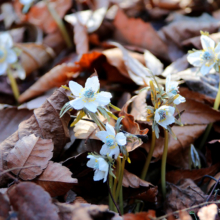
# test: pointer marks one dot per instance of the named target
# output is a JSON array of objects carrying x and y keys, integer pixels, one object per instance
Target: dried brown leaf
[
  {"x": 4, "y": 207},
  {"x": 56, "y": 77},
  {"x": 187, "y": 192},
  {"x": 139, "y": 33},
  {"x": 195, "y": 175},
  {"x": 10, "y": 119},
  {"x": 208, "y": 212},
  {"x": 140, "y": 216},
  {"x": 30, "y": 201},
  {"x": 34, "y": 56},
  {"x": 84, "y": 211},
  {"x": 44, "y": 123},
  {"x": 30, "y": 150},
  {"x": 56, "y": 179}
]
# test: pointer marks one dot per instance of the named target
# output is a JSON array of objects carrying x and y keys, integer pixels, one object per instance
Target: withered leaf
[
  {"x": 187, "y": 192},
  {"x": 84, "y": 211},
  {"x": 56, "y": 77},
  {"x": 30, "y": 150},
  {"x": 196, "y": 175},
  {"x": 140, "y": 216},
  {"x": 36, "y": 203},
  {"x": 56, "y": 179},
  {"x": 34, "y": 56},
  {"x": 4, "y": 207},
  {"x": 10, "y": 119},
  {"x": 44, "y": 123},
  {"x": 139, "y": 33}
]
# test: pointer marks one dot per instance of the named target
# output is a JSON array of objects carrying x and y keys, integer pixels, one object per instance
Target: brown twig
[{"x": 212, "y": 190}]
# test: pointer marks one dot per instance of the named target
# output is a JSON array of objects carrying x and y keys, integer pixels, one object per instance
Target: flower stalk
[
  {"x": 149, "y": 156},
  {"x": 163, "y": 164},
  {"x": 14, "y": 85}
]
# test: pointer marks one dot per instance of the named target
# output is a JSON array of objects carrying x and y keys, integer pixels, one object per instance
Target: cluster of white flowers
[
  {"x": 207, "y": 58},
  {"x": 8, "y": 57},
  {"x": 110, "y": 148}
]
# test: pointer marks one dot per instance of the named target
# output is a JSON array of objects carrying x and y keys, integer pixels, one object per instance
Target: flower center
[
  {"x": 96, "y": 166},
  {"x": 207, "y": 56},
  {"x": 89, "y": 93},
  {"x": 110, "y": 142},
  {"x": 3, "y": 54},
  {"x": 162, "y": 114}
]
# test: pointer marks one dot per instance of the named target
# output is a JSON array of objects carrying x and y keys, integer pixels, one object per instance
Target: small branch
[{"x": 212, "y": 190}]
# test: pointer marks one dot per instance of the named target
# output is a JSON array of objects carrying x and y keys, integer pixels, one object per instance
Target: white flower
[
  {"x": 164, "y": 116},
  {"x": 172, "y": 90},
  {"x": 100, "y": 166},
  {"x": 206, "y": 58},
  {"x": 7, "y": 54},
  {"x": 111, "y": 141},
  {"x": 26, "y": 2},
  {"x": 88, "y": 97}
]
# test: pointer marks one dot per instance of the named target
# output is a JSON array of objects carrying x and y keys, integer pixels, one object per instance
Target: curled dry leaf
[
  {"x": 30, "y": 150},
  {"x": 139, "y": 33},
  {"x": 10, "y": 119},
  {"x": 187, "y": 192},
  {"x": 56, "y": 77},
  {"x": 84, "y": 211},
  {"x": 34, "y": 56},
  {"x": 195, "y": 175},
  {"x": 56, "y": 179},
  {"x": 40, "y": 16},
  {"x": 36, "y": 203},
  {"x": 44, "y": 123},
  {"x": 140, "y": 216},
  {"x": 208, "y": 212},
  {"x": 4, "y": 207}
]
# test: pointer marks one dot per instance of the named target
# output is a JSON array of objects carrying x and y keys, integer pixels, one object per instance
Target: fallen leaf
[
  {"x": 140, "y": 216},
  {"x": 56, "y": 179},
  {"x": 184, "y": 215},
  {"x": 36, "y": 203},
  {"x": 5, "y": 207},
  {"x": 30, "y": 150},
  {"x": 187, "y": 192},
  {"x": 208, "y": 212},
  {"x": 137, "y": 32},
  {"x": 10, "y": 119},
  {"x": 44, "y": 123},
  {"x": 195, "y": 175},
  {"x": 34, "y": 56},
  {"x": 84, "y": 211},
  {"x": 40, "y": 16},
  {"x": 56, "y": 77}
]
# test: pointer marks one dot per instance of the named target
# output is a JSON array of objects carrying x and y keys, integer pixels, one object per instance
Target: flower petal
[
  {"x": 6, "y": 40},
  {"x": 103, "y": 165},
  {"x": 121, "y": 138},
  {"x": 75, "y": 88},
  {"x": 168, "y": 79},
  {"x": 91, "y": 106},
  {"x": 179, "y": 99},
  {"x": 3, "y": 68},
  {"x": 207, "y": 42},
  {"x": 104, "y": 150},
  {"x": 205, "y": 69},
  {"x": 110, "y": 129},
  {"x": 217, "y": 48},
  {"x": 91, "y": 163},
  {"x": 98, "y": 175},
  {"x": 114, "y": 152},
  {"x": 195, "y": 58},
  {"x": 77, "y": 103},
  {"x": 11, "y": 56},
  {"x": 102, "y": 135},
  {"x": 93, "y": 83},
  {"x": 104, "y": 98}
]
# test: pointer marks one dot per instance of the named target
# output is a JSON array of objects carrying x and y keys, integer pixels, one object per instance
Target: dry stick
[
  {"x": 196, "y": 206},
  {"x": 110, "y": 193}
]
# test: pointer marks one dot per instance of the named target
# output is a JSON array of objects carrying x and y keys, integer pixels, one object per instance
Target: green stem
[
  {"x": 121, "y": 201},
  {"x": 119, "y": 187},
  {"x": 111, "y": 205},
  {"x": 163, "y": 163},
  {"x": 118, "y": 169},
  {"x": 149, "y": 156},
  {"x": 60, "y": 24},
  {"x": 14, "y": 85},
  {"x": 209, "y": 127}
]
